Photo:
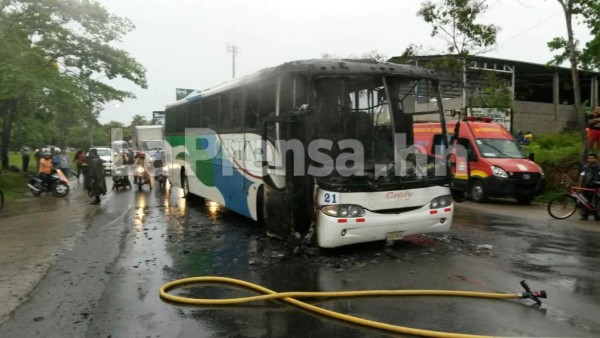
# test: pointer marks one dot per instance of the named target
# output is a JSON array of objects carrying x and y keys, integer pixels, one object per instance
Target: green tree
[
  {"x": 53, "y": 52},
  {"x": 455, "y": 22},
  {"x": 495, "y": 93},
  {"x": 588, "y": 56},
  {"x": 139, "y": 120}
]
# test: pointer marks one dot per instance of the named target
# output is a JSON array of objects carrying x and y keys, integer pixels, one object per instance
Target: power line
[{"x": 528, "y": 29}]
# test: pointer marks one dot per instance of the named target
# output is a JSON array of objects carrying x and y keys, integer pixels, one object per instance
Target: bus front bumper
[{"x": 334, "y": 232}]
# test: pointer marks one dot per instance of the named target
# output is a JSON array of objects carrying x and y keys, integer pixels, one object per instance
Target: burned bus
[{"x": 317, "y": 150}]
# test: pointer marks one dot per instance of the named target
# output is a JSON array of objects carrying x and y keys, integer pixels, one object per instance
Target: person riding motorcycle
[
  {"x": 45, "y": 168},
  {"x": 139, "y": 164},
  {"x": 158, "y": 162}
]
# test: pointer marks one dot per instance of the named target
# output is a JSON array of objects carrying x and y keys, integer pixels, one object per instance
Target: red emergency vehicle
[{"x": 493, "y": 164}]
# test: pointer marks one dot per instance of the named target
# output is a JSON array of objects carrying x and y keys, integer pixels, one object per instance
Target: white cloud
[{"x": 182, "y": 43}]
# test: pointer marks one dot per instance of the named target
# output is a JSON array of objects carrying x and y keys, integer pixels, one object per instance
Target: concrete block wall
[{"x": 543, "y": 118}]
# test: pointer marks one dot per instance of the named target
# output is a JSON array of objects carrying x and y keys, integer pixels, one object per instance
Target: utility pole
[{"x": 233, "y": 50}]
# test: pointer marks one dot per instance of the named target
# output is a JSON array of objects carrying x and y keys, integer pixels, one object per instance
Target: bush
[
  {"x": 556, "y": 149},
  {"x": 12, "y": 184},
  {"x": 556, "y": 154}
]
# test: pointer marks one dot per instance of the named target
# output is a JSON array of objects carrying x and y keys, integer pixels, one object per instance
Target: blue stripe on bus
[{"x": 234, "y": 187}]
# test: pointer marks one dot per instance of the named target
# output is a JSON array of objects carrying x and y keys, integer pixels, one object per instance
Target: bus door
[{"x": 285, "y": 197}]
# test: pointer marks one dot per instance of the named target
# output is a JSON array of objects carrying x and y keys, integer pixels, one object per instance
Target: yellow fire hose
[{"x": 290, "y": 298}]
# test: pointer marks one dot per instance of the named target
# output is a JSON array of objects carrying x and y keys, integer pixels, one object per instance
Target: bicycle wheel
[{"x": 563, "y": 206}]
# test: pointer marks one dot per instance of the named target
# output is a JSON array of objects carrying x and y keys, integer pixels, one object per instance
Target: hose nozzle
[{"x": 534, "y": 295}]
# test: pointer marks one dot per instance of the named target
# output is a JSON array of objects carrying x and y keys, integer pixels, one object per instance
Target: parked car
[
  {"x": 49, "y": 148},
  {"x": 106, "y": 155}
]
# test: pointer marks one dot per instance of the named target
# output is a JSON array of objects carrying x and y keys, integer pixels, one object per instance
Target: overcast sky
[{"x": 183, "y": 43}]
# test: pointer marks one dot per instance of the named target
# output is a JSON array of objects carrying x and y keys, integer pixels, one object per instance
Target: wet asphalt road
[{"x": 105, "y": 284}]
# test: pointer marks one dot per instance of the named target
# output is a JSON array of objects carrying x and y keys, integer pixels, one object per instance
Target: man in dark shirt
[
  {"x": 589, "y": 178},
  {"x": 26, "y": 155},
  {"x": 96, "y": 183}
]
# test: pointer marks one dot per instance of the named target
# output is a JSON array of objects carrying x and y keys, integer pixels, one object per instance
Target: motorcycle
[
  {"x": 141, "y": 177},
  {"x": 57, "y": 184},
  {"x": 160, "y": 173},
  {"x": 120, "y": 178}
]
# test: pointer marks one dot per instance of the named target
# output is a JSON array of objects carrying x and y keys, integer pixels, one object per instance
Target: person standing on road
[
  {"x": 65, "y": 163},
  {"x": 38, "y": 156},
  {"x": 521, "y": 138},
  {"x": 26, "y": 155},
  {"x": 56, "y": 157},
  {"x": 528, "y": 136},
  {"x": 589, "y": 178},
  {"x": 96, "y": 183},
  {"x": 79, "y": 160},
  {"x": 594, "y": 129}
]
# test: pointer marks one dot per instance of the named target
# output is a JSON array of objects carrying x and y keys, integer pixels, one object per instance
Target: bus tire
[
  {"x": 477, "y": 192},
  {"x": 260, "y": 212}
]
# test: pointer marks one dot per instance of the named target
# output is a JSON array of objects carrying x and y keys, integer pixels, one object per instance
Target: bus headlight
[
  {"x": 440, "y": 202},
  {"x": 499, "y": 172},
  {"x": 344, "y": 210}
]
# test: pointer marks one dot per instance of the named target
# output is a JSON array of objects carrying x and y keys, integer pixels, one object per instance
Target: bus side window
[
  {"x": 210, "y": 110},
  {"x": 267, "y": 101},
  {"x": 286, "y": 95},
  {"x": 225, "y": 112},
  {"x": 181, "y": 117},
  {"x": 236, "y": 111},
  {"x": 292, "y": 93},
  {"x": 251, "y": 112},
  {"x": 194, "y": 113},
  {"x": 170, "y": 127},
  {"x": 438, "y": 143}
]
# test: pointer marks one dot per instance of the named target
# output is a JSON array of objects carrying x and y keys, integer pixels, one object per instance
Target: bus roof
[{"x": 318, "y": 67}]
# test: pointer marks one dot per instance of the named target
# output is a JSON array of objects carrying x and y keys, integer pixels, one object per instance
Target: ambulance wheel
[{"x": 478, "y": 193}]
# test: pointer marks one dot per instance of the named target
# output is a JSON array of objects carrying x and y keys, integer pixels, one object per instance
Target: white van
[{"x": 106, "y": 155}]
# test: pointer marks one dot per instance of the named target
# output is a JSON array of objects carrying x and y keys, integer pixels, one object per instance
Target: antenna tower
[{"x": 233, "y": 50}]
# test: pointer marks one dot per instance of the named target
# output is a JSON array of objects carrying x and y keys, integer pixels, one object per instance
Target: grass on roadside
[{"x": 13, "y": 184}]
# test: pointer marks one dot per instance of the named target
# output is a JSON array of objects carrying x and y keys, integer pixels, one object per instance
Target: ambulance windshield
[{"x": 499, "y": 148}]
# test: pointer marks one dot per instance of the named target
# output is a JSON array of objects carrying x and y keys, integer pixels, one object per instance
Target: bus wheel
[
  {"x": 260, "y": 213},
  {"x": 478, "y": 193}
]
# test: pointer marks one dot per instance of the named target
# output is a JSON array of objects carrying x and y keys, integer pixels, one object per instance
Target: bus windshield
[{"x": 378, "y": 112}]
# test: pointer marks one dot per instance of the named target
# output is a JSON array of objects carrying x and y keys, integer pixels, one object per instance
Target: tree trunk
[
  {"x": 581, "y": 118},
  {"x": 5, "y": 137}
]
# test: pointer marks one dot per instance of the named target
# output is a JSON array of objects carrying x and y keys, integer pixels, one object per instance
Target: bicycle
[{"x": 565, "y": 205}]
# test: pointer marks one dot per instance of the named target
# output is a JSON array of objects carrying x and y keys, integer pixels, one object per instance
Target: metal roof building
[{"x": 543, "y": 95}]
